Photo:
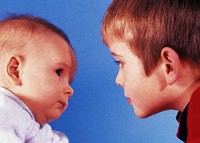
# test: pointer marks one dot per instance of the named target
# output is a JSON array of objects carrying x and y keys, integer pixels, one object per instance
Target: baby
[{"x": 37, "y": 65}]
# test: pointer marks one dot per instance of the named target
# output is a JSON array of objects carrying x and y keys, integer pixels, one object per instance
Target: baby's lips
[{"x": 63, "y": 104}]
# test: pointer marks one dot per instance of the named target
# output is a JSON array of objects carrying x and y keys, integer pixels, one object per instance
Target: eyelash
[
  {"x": 118, "y": 62},
  {"x": 59, "y": 71}
]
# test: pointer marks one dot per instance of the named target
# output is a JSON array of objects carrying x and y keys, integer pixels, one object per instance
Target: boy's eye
[
  {"x": 59, "y": 71},
  {"x": 117, "y": 62}
]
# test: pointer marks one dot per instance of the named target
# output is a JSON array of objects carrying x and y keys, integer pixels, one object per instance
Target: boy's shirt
[
  {"x": 18, "y": 125},
  {"x": 189, "y": 128},
  {"x": 182, "y": 119}
]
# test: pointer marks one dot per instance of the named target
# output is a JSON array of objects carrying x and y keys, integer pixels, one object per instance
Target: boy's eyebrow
[{"x": 114, "y": 54}]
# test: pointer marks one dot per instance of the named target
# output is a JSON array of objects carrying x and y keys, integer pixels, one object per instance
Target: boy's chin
[{"x": 143, "y": 114}]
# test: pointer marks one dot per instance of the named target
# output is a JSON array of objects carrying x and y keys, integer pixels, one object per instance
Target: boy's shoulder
[{"x": 193, "y": 121}]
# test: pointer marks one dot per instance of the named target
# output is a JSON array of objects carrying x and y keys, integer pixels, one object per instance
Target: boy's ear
[
  {"x": 13, "y": 70},
  {"x": 171, "y": 63}
]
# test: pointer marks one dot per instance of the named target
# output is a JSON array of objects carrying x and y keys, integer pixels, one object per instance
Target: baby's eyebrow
[
  {"x": 63, "y": 64},
  {"x": 71, "y": 79}
]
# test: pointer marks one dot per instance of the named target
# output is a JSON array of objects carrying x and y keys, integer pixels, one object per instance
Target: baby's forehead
[{"x": 52, "y": 47}]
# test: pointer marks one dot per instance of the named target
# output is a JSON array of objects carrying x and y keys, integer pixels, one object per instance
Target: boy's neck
[{"x": 186, "y": 95}]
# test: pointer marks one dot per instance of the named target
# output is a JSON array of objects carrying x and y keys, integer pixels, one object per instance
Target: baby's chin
[
  {"x": 51, "y": 114},
  {"x": 48, "y": 118}
]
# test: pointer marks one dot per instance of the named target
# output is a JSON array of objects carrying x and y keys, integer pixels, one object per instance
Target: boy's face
[
  {"x": 46, "y": 75},
  {"x": 143, "y": 92}
]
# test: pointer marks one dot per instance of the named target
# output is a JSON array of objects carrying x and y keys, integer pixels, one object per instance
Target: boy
[
  {"x": 37, "y": 65},
  {"x": 156, "y": 44}
]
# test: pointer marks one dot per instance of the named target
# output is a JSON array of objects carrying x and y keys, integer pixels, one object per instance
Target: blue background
[{"x": 98, "y": 111}]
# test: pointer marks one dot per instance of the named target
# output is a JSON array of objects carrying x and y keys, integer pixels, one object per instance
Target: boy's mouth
[{"x": 128, "y": 98}]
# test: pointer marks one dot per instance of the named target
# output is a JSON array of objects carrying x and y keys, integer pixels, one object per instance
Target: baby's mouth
[{"x": 63, "y": 105}]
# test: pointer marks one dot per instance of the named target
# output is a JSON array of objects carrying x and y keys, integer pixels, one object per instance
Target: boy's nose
[
  {"x": 119, "y": 79},
  {"x": 69, "y": 90}
]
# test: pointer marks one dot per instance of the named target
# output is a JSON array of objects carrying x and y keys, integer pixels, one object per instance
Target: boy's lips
[{"x": 128, "y": 98}]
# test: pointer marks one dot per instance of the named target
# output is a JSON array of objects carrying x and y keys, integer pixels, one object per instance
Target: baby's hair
[
  {"x": 15, "y": 30},
  {"x": 147, "y": 26}
]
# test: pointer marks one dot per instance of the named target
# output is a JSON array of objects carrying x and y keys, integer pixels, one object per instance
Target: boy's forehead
[
  {"x": 119, "y": 49},
  {"x": 116, "y": 48}
]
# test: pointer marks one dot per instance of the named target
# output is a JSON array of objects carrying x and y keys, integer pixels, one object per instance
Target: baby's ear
[
  {"x": 171, "y": 63},
  {"x": 13, "y": 70}
]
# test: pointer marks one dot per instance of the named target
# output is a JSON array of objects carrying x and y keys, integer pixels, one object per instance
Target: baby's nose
[{"x": 69, "y": 90}]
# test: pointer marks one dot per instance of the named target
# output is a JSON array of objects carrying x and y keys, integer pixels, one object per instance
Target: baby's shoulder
[
  {"x": 12, "y": 106},
  {"x": 14, "y": 113}
]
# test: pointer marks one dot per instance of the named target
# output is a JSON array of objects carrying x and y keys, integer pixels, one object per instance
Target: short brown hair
[{"x": 147, "y": 26}]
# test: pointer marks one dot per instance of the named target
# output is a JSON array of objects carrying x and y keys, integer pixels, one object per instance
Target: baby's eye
[{"x": 59, "y": 71}]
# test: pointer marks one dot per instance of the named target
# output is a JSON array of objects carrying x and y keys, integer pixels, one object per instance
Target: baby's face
[{"x": 46, "y": 76}]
